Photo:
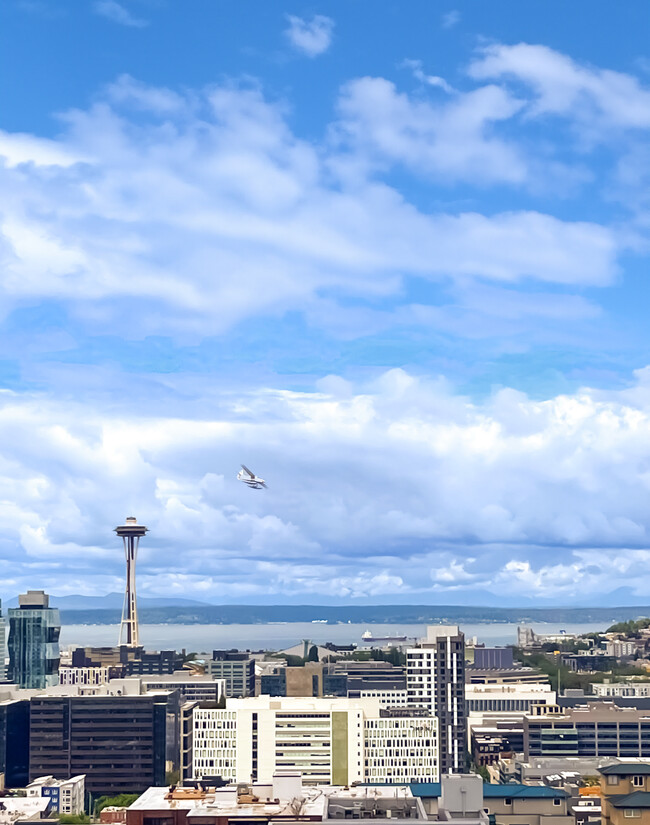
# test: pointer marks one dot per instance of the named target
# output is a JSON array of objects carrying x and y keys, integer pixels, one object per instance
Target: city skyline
[{"x": 396, "y": 265}]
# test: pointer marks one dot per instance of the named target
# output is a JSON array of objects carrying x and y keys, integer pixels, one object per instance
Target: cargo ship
[{"x": 368, "y": 637}]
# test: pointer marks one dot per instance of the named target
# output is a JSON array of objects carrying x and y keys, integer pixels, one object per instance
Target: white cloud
[
  {"x": 421, "y": 76},
  {"x": 450, "y": 140},
  {"x": 450, "y": 19},
  {"x": 210, "y": 211},
  {"x": 398, "y": 486},
  {"x": 565, "y": 87},
  {"x": 117, "y": 13},
  {"x": 310, "y": 37}
]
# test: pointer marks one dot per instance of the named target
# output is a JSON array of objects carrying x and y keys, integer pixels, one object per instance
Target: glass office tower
[{"x": 34, "y": 629}]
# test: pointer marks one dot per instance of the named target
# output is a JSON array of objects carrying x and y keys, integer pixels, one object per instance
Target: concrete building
[
  {"x": 237, "y": 668},
  {"x": 625, "y": 792},
  {"x": 67, "y": 796},
  {"x": 34, "y": 629},
  {"x": 435, "y": 681},
  {"x": 123, "y": 744},
  {"x": 16, "y": 810},
  {"x": 507, "y": 697},
  {"x": 595, "y": 729},
  {"x": 330, "y": 741},
  {"x": 612, "y": 689},
  {"x": 293, "y": 681}
]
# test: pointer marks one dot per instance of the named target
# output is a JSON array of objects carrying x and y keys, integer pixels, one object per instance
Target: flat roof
[{"x": 490, "y": 791}]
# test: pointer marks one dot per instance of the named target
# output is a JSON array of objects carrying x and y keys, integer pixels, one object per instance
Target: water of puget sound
[{"x": 207, "y": 637}]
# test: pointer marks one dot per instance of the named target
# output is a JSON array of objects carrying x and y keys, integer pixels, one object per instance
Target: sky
[{"x": 393, "y": 257}]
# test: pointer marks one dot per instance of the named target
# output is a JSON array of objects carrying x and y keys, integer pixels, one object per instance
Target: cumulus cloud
[
  {"x": 117, "y": 13},
  {"x": 396, "y": 487},
  {"x": 310, "y": 37},
  {"x": 191, "y": 214},
  {"x": 563, "y": 86}
]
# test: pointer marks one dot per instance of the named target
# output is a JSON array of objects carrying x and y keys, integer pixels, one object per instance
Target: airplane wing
[
  {"x": 265, "y": 485},
  {"x": 246, "y": 470}
]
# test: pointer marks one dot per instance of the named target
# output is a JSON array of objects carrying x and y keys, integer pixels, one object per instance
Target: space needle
[{"x": 131, "y": 532}]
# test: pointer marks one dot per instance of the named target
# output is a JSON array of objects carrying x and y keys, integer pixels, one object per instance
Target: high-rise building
[
  {"x": 123, "y": 744},
  {"x": 14, "y": 742},
  {"x": 435, "y": 680},
  {"x": 327, "y": 740},
  {"x": 34, "y": 629}
]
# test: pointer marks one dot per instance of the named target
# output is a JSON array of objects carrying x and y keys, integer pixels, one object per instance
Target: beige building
[{"x": 625, "y": 792}]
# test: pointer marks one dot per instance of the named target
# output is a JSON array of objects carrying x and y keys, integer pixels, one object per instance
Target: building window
[
  {"x": 632, "y": 813},
  {"x": 612, "y": 780},
  {"x": 637, "y": 781},
  {"x": 507, "y": 801},
  {"x": 557, "y": 801}
]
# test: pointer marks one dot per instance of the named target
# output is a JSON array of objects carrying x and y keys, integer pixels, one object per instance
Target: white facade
[
  {"x": 400, "y": 749},
  {"x": 66, "y": 795},
  {"x": 620, "y": 648},
  {"x": 507, "y": 697},
  {"x": 634, "y": 689},
  {"x": 435, "y": 681},
  {"x": 83, "y": 675},
  {"x": 329, "y": 741},
  {"x": 386, "y": 698}
]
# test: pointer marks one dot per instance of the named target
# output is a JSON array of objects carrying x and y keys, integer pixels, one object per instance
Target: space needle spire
[{"x": 131, "y": 532}]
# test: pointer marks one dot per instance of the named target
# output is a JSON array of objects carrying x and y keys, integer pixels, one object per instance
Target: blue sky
[{"x": 393, "y": 257}]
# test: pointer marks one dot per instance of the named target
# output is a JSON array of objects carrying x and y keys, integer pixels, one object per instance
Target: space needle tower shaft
[{"x": 130, "y": 532}]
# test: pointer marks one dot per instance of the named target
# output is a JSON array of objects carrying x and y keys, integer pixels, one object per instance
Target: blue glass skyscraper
[{"x": 34, "y": 629}]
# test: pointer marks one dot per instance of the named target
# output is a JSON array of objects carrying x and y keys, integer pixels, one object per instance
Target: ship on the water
[{"x": 367, "y": 636}]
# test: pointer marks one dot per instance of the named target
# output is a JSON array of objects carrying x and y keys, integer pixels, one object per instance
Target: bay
[{"x": 203, "y": 638}]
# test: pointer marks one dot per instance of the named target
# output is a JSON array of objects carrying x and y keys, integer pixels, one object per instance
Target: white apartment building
[
  {"x": 435, "y": 681},
  {"x": 507, "y": 697},
  {"x": 619, "y": 648},
  {"x": 84, "y": 675},
  {"x": 633, "y": 689},
  {"x": 330, "y": 741},
  {"x": 66, "y": 795}
]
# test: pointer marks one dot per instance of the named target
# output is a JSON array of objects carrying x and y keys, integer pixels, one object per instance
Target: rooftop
[
  {"x": 638, "y": 799},
  {"x": 627, "y": 768},
  {"x": 427, "y": 789}
]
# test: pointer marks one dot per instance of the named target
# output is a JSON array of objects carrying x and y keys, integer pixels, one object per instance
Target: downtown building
[
  {"x": 435, "y": 681},
  {"x": 330, "y": 741},
  {"x": 123, "y": 744},
  {"x": 34, "y": 629}
]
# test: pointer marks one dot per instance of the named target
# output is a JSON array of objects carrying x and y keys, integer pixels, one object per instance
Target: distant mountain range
[
  {"x": 196, "y": 613},
  {"x": 111, "y": 601}
]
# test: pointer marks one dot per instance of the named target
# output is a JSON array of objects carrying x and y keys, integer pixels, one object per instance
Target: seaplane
[{"x": 250, "y": 479}]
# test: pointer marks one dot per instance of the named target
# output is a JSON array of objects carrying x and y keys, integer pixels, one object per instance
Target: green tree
[
  {"x": 74, "y": 819},
  {"x": 121, "y": 801},
  {"x": 313, "y": 654}
]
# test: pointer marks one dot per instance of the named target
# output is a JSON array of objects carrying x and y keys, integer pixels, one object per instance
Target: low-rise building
[
  {"x": 507, "y": 697},
  {"x": 625, "y": 792},
  {"x": 611, "y": 689},
  {"x": 510, "y": 804},
  {"x": 595, "y": 729},
  {"x": 284, "y": 799},
  {"x": 67, "y": 796}
]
